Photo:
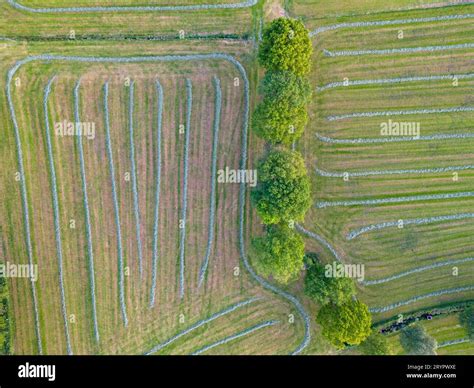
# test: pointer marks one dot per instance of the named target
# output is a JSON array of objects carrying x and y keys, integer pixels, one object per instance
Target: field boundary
[
  {"x": 196, "y": 7},
  {"x": 243, "y": 162}
]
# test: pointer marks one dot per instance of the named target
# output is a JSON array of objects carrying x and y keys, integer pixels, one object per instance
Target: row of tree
[{"x": 283, "y": 193}]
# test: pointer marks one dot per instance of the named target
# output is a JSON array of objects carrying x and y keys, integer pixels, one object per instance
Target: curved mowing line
[
  {"x": 24, "y": 204},
  {"x": 319, "y": 239},
  {"x": 435, "y": 170},
  {"x": 390, "y": 22},
  {"x": 456, "y": 109},
  {"x": 420, "y": 297},
  {"x": 90, "y": 252},
  {"x": 414, "y": 221},
  {"x": 381, "y": 201},
  {"x": 235, "y": 336},
  {"x": 184, "y": 206},
  {"x": 136, "y": 206},
  {"x": 57, "y": 225},
  {"x": 453, "y": 342},
  {"x": 244, "y": 4},
  {"x": 395, "y": 139},
  {"x": 200, "y": 323},
  {"x": 159, "y": 121},
  {"x": 417, "y": 270},
  {"x": 403, "y": 50},
  {"x": 399, "y": 80},
  {"x": 116, "y": 206},
  {"x": 243, "y": 162},
  {"x": 212, "y": 206}
]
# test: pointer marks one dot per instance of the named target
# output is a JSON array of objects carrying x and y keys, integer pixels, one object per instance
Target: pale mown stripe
[
  {"x": 233, "y": 337},
  {"x": 398, "y": 80},
  {"x": 159, "y": 122},
  {"x": 453, "y": 342},
  {"x": 380, "y": 23},
  {"x": 417, "y": 270},
  {"x": 57, "y": 223},
  {"x": 319, "y": 239},
  {"x": 150, "y": 8},
  {"x": 456, "y": 109},
  {"x": 184, "y": 205},
  {"x": 202, "y": 322},
  {"x": 420, "y": 297},
  {"x": 383, "y": 201},
  {"x": 212, "y": 205},
  {"x": 90, "y": 253},
  {"x": 136, "y": 207},
  {"x": 414, "y": 221},
  {"x": 435, "y": 170},
  {"x": 394, "y": 139},
  {"x": 121, "y": 279},
  {"x": 402, "y": 50}
]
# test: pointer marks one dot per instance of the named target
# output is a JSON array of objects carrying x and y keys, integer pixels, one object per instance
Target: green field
[{"x": 362, "y": 76}]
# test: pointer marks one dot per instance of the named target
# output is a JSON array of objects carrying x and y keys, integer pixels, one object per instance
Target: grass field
[
  {"x": 365, "y": 183},
  {"x": 222, "y": 286},
  {"x": 124, "y": 221},
  {"x": 446, "y": 330},
  {"x": 168, "y": 24}
]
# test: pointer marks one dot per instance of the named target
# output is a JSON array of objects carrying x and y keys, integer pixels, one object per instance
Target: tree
[
  {"x": 324, "y": 289},
  {"x": 348, "y": 323},
  {"x": 278, "y": 122},
  {"x": 279, "y": 253},
  {"x": 286, "y": 45},
  {"x": 415, "y": 340},
  {"x": 285, "y": 87},
  {"x": 283, "y": 193},
  {"x": 466, "y": 318},
  {"x": 377, "y": 345}
]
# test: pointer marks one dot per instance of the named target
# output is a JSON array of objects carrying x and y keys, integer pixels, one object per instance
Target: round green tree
[
  {"x": 376, "y": 345},
  {"x": 279, "y": 253},
  {"x": 278, "y": 122},
  {"x": 285, "y": 87},
  {"x": 286, "y": 45},
  {"x": 466, "y": 318},
  {"x": 346, "y": 324},
  {"x": 283, "y": 192},
  {"x": 323, "y": 288},
  {"x": 415, "y": 340}
]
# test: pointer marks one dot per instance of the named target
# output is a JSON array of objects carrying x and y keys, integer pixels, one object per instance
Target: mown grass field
[
  {"x": 223, "y": 287},
  {"x": 395, "y": 172},
  {"x": 386, "y": 252},
  {"x": 124, "y": 25},
  {"x": 444, "y": 329}
]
